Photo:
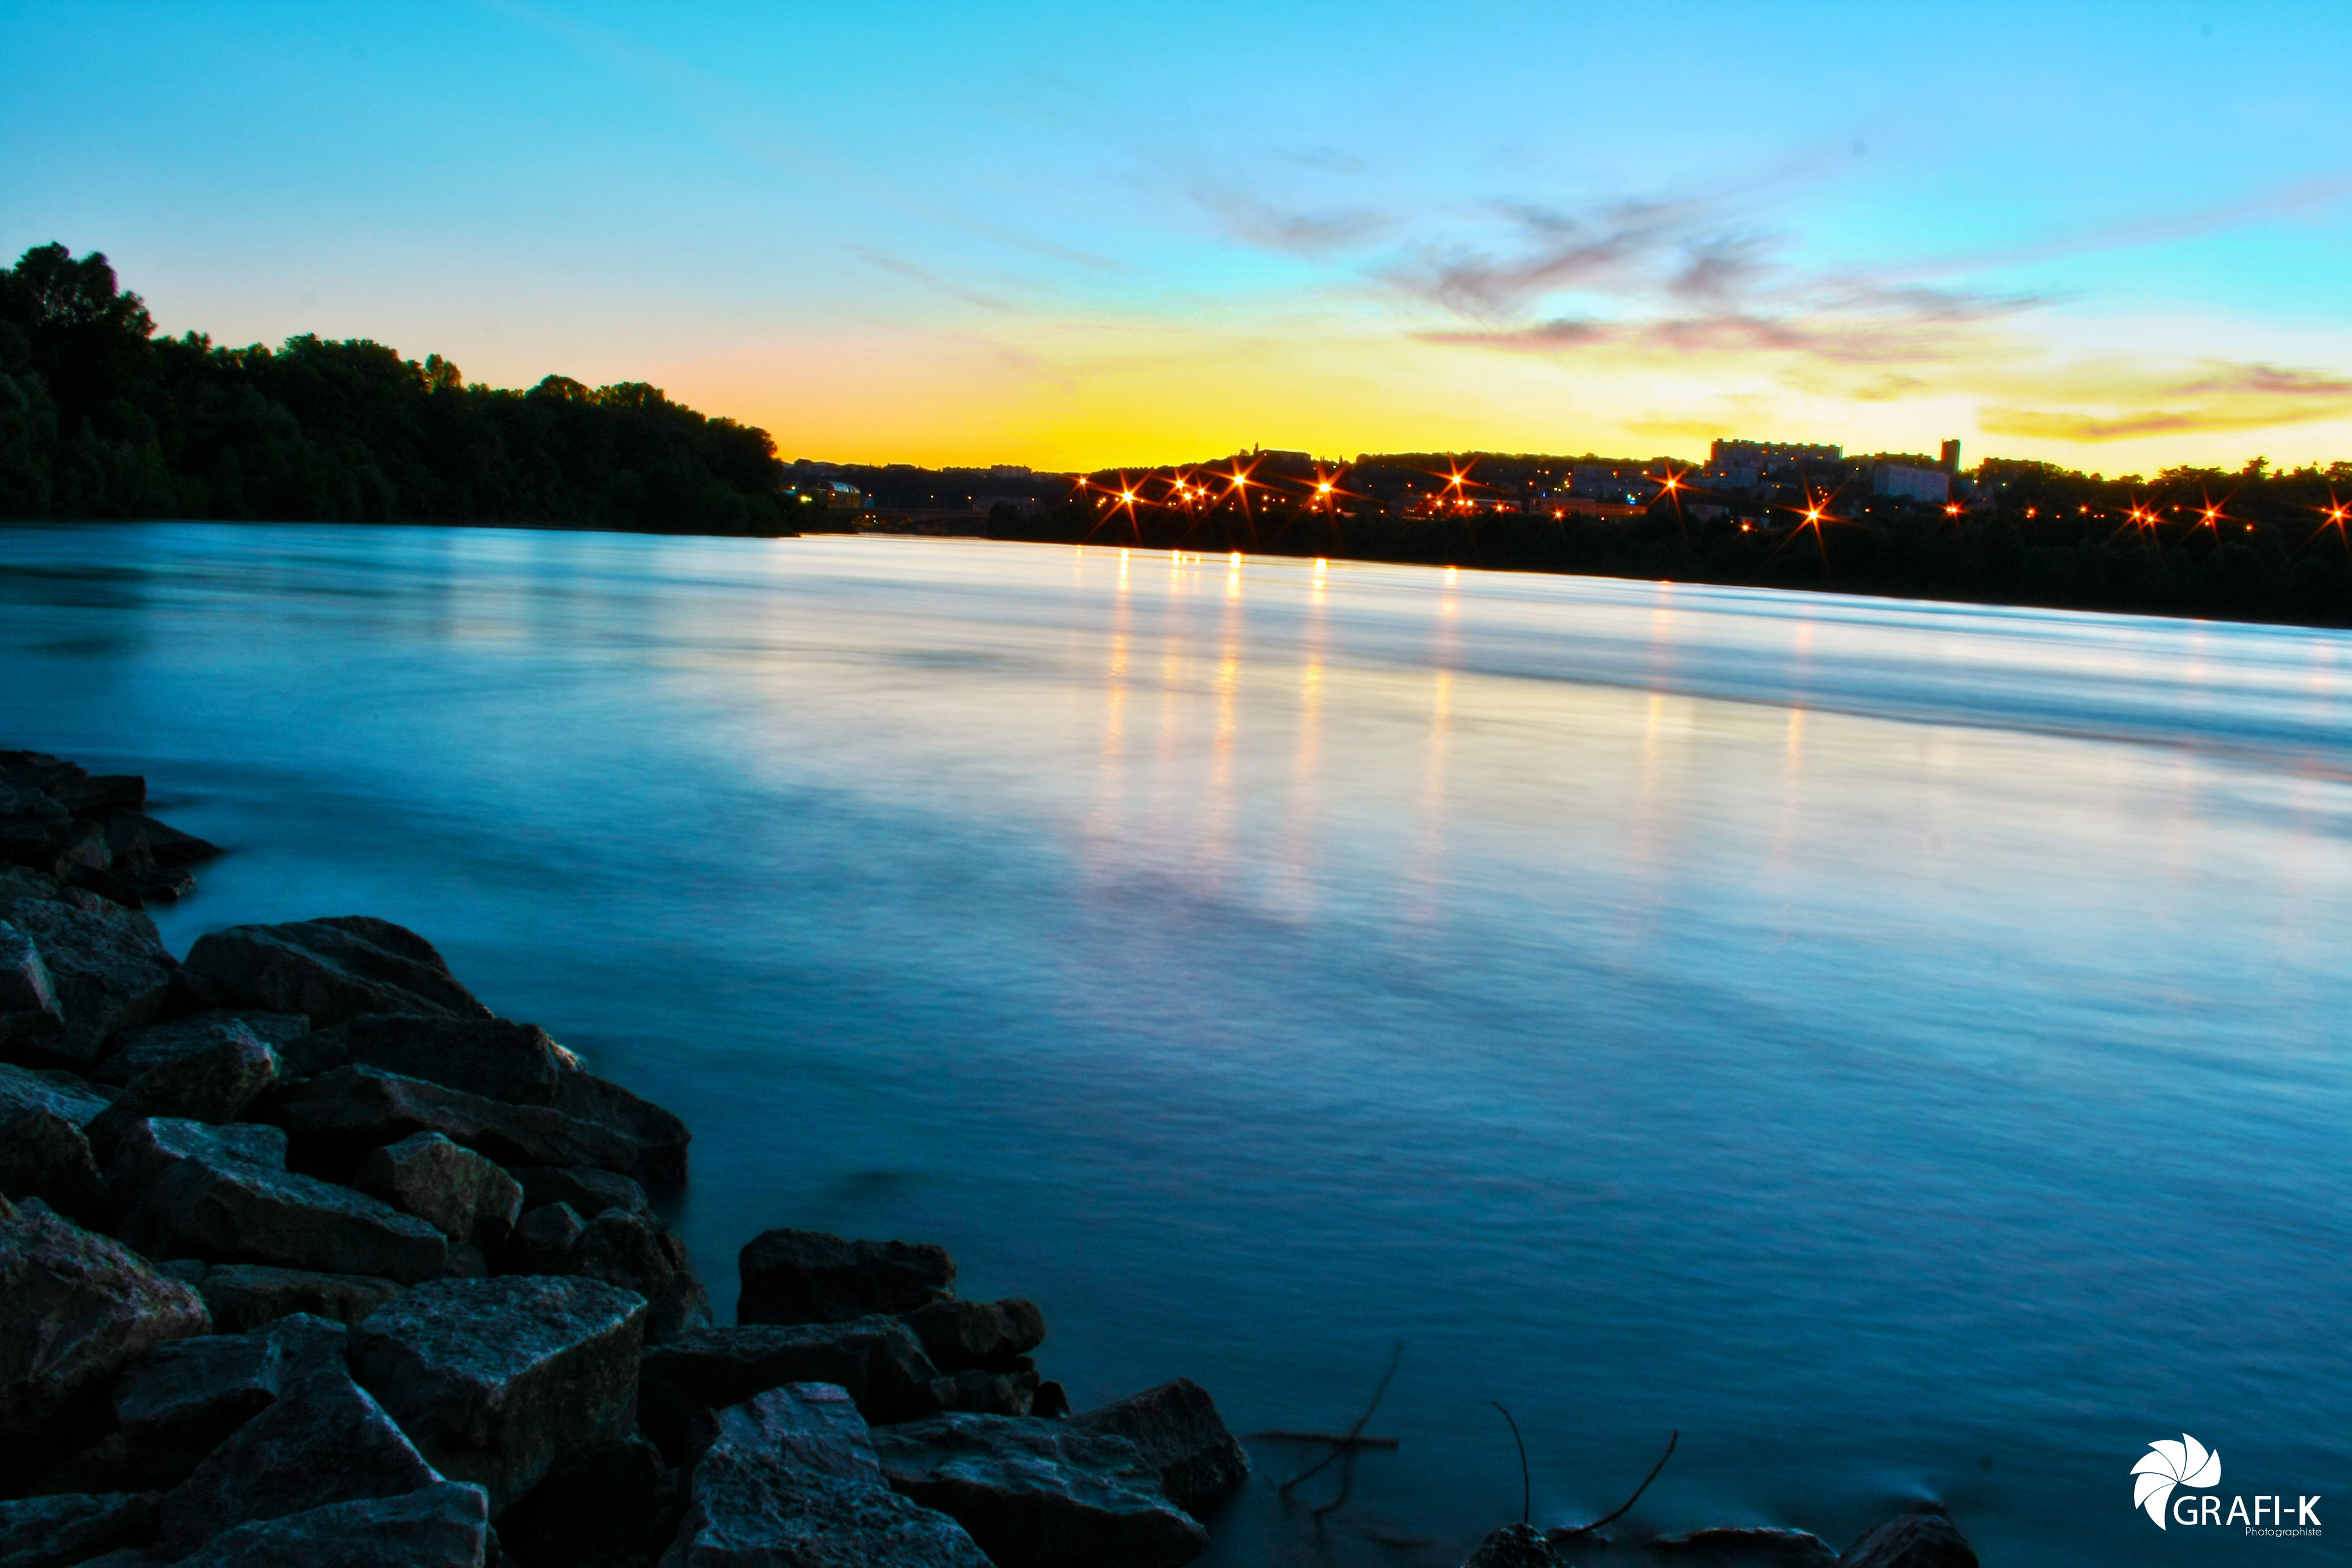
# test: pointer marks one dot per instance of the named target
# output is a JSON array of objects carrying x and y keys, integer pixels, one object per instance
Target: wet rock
[
  {"x": 166, "y": 845},
  {"x": 542, "y": 1241},
  {"x": 116, "y": 888},
  {"x": 23, "y": 1089},
  {"x": 587, "y": 1190},
  {"x": 96, "y": 794},
  {"x": 138, "y": 1050},
  {"x": 497, "y": 1379},
  {"x": 469, "y": 1198},
  {"x": 1514, "y": 1546},
  {"x": 28, "y": 997},
  {"x": 515, "y": 1062},
  {"x": 1921, "y": 1540},
  {"x": 605, "y": 1506},
  {"x": 76, "y": 1309},
  {"x": 331, "y": 970},
  {"x": 1180, "y": 1436},
  {"x": 107, "y": 968},
  {"x": 808, "y": 1277},
  {"x": 622, "y": 1249},
  {"x": 790, "y": 1477},
  {"x": 988, "y": 1392},
  {"x": 223, "y": 1193},
  {"x": 214, "y": 1083},
  {"x": 60, "y": 1530},
  {"x": 323, "y": 1440},
  {"x": 244, "y": 1296},
  {"x": 1743, "y": 1548},
  {"x": 961, "y": 1336},
  {"x": 879, "y": 1360},
  {"x": 445, "y": 1525},
  {"x": 1051, "y": 1402},
  {"x": 1039, "y": 1494},
  {"x": 659, "y": 1137},
  {"x": 187, "y": 1398},
  {"x": 44, "y": 1155},
  {"x": 338, "y": 1116}
]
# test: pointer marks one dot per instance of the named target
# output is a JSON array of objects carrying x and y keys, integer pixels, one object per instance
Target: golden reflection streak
[
  {"x": 1216, "y": 838},
  {"x": 1297, "y": 878},
  {"x": 1426, "y": 871},
  {"x": 1784, "y": 834}
]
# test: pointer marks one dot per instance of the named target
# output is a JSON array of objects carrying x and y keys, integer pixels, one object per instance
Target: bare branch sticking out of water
[
  {"x": 1527, "y": 1487},
  {"x": 1347, "y": 1446},
  {"x": 1566, "y": 1534}
]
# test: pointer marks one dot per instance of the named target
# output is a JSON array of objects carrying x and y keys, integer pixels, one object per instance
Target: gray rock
[
  {"x": 164, "y": 844},
  {"x": 606, "y": 1507},
  {"x": 52, "y": 1089},
  {"x": 215, "y": 1083},
  {"x": 808, "y": 1277},
  {"x": 1039, "y": 1494},
  {"x": 1920, "y": 1540},
  {"x": 189, "y": 1395},
  {"x": 98, "y": 794},
  {"x": 109, "y": 971},
  {"x": 515, "y": 1062},
  {"x": 339, "y": 1116},
  {"x": 789, "y": 1479},
  {"x": 685, "y": 1309},
  {"x": 75, "y": 1310},
  {"x": 989, "y": 1393},
  {"x": 244, "y": 1296},
  {"x": 445, "y": 1525},
  {"x": 542, "y": 1241},
  {"x": 1743, "y": 1547},
  {"x": 28, "y": 997},
  {"x": 497, "y": 1379},
  {"x": 962, "y": 1336},
  {"x": 81, "y": 851},
  {"x": 622, "y": 1249},
  {"x": 589, "y": 1191},
  {"x": 877, "y": 1359},
  {"x": 323, "y": 1440},
  {"x": 60, "y": 1530},
  {"x": 1514, "y": 1546},
  {"x": 331, "y": 970},
  {"x": 223, "y": 1193},
  {"x": 1181, "y": 1436},
  {"x": 659, "y": 1137},
  {"x": 466, "y": 1196},
  {"x": 44, "y": 1155},
  {"x": 32, "y": 828},
  {"x": 137, "y": 1050}
]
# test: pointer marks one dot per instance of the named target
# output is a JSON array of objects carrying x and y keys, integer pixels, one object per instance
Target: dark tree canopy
[{"x": 100, "y": 418}]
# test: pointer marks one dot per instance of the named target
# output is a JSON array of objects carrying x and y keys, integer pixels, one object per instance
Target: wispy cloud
[
  {"x": 932, "y": 280},
  {"x": 2221, "y": 397}
]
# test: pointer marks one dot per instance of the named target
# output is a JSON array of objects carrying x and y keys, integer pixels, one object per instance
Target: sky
[{"x": 2113, "y": 236}]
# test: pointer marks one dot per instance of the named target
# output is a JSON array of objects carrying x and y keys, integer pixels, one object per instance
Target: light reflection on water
[{"x": 1902, "y": 1046}]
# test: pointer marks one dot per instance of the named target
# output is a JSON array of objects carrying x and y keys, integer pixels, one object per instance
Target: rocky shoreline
[{"x": 307, "y": 1257}]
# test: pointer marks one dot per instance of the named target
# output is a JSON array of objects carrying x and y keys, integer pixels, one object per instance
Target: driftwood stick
[
  {"x": 1347, "y": 1446},
  {"x": 1347, "y": 1485},
  {"x": 1334, "y": 1438},
  {"x": 1526, "y": 1489},
  {"x": 1671, "y": 1439}
]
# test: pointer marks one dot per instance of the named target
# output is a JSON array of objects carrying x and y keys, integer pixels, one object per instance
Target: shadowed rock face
[
  {"x": 1180, "y": 1436},
  {"x": 134, "y": 1051},
  {"x": 1912, "y": 1540},
  {"x": 28, "y": 997},
  {"x": 608, "y": 1507},
  {"x": 53, "y": 1531},
  {"x": 790, "y": 1476},
  {"x": 338, "y": 1116},
  {"x": 213, "y": 1082},
  {"x": 467, "y": 1198},
  {"x": 1744, "y": 1548},
  {"x": 189, "y": 1396},
  {"x": 329, "y": 970},
  {"x": 497, "y": 1379},
  {"x": 244, "y": 1296},
  {"x": 878, "y": 1360},
  {"x": 45, "y": 1155},
  {"x": 964, "y": 1336},
  {"x": 808, "y": 1277},
  {"x": 1037, "y": 1494},
  {"x": 107, "y": 968},
  {"x": 444, "y": 1525},
  {"x": 515, "y": 1062},
  {"x": 1514, "y": 1546},
  {"x": 587, "y": 1191}
]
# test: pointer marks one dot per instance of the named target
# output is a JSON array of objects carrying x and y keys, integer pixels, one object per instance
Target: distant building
[
  {"x": 1024, "y": 506},
  {"x": 1620, "y": 484},
  {"x": 1902, "y": 482},
  {"x": 1769, "y": 454},
  {"x": 1951, "y": 464},
  {"x": 1008, "y": 471}
]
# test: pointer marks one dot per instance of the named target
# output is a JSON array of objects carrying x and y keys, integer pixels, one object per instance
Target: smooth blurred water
[{"x": 1902, "y": 1046}]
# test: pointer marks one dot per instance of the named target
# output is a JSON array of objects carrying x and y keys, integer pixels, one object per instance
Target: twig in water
[
  {"x": 1347, "y": 1444},
  {"x": 1333, "y": 1438},
  {"x": 1564, "y": 1534},
  {"x": 1527, "y": 1490}
]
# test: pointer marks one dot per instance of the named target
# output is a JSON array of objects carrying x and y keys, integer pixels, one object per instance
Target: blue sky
[{"x": 2116, "y": 236}]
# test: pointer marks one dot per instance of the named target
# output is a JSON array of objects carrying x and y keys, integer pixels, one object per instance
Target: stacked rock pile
[{"x": 309, "y": 1258}]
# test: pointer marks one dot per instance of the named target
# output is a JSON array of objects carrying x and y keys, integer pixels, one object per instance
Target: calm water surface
[{"x": 1904, "y": 1048}]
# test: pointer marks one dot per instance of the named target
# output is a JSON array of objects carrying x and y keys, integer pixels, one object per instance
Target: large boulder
[
  {"x": 330, "y": 970},
  {"x": 1925, "y": 1539},
  {"x": 1180, "y": 1436},
  {"x": 60, "y": 1530},
  {"x": 1038, "y": 1494},
  {"x": 138, "y": 1050},
  {"x": 244, "y": 1296},
  {"x": 516, "y": 1063},
  {"x": 1743, "y": 1546},
  {"x": 585, "y": 1190},
  {"x": 28, "y": 996},
  {"x": 22, "y": 1089},
  {"x": 188, "y": 1396},
  {"x": 98, "y": 794},
  {"x": 323, "y": 1440},
  {"x": 43, "y": 1154},
  {"x": 107, "y": 968},
  {"x": 497, "y": 1379},
  {"x": 790, "y": 1477},
  {"x": 808, "y": 1277},
  {"x": 964, "y": 1336},
  {"x": 622, "y": 1249},
  {"x": 606, "y": 1507},
  {"x": 215, "y": 1083},
  {"x": 658, "y": 1135},
  {"x": 445, "y": 1525},
  {"x": 76, "y": 1309},
  {"x": 32, "y": 828},
  {"x": 877, "y": 1359},
  {"x": 161, "y": 843},
  {"x": 223, "y": 1195},
  {"x": 467, "y": 1197},
  {"x": 338, "y": 1116}
]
